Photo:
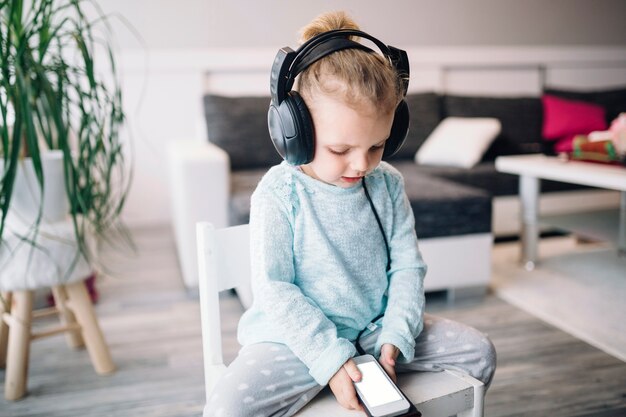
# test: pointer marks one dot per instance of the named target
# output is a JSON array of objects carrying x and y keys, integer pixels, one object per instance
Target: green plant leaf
[{"x": 51, "y": 85}]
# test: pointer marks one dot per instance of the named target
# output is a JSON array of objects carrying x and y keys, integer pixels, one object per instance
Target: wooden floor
[{"x": 152, "y": 327}]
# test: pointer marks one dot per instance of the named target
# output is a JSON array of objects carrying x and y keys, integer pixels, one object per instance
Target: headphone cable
[
  {"x": 358, "y": 346},
  {"x": 380, "y": 225},
  {"x": 357, "y": 343}
]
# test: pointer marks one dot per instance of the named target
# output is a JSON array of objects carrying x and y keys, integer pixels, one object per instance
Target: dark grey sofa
[{"x": 458, "y": 211}]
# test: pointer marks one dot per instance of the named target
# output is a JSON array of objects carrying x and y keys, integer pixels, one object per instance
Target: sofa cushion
[
  {"x": 444, "y": 208},
  {"x": 239, "y": 126},
  {"x": 521, "y": 119},
  {"x": 461, "y": 215},
  {"x": 425, "y": 115},
  {"x": 613, "y": 101}
]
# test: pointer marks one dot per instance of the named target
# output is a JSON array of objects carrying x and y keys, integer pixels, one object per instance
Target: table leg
[
  {"x": 621, "y": 237},
  {"x": 529, "y": 195}
]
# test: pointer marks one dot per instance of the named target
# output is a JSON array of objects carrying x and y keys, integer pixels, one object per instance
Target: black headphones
[{"x": 288, "y": 118}]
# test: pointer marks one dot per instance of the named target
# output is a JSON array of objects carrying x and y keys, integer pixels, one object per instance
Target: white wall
[
  {"x": 228, "y": 23},
  {"x": 164, "y": 74}
]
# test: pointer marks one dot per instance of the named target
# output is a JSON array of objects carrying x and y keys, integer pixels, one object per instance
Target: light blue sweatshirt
[{"x": 319, "y": 267}]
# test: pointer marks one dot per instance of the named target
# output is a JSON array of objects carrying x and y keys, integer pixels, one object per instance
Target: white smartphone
[{"x": 378, "y": 393}]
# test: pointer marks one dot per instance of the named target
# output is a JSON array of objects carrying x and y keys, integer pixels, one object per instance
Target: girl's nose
[{"x": 360, "y": 163}]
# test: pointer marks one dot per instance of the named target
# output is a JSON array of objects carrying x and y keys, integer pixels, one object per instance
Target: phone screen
[{"x": 375, "y": 388}]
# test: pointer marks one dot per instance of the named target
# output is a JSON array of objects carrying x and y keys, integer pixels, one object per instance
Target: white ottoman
[
  {"x": 52, "y": 259},
  {"x": 49, "y": 260}
]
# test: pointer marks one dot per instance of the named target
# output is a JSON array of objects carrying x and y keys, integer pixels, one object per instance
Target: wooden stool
[{"x": 22, "y": 271}]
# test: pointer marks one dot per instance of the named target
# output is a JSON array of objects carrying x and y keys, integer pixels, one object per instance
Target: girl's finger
[
  {"x": 390, "y": 354},
  {"x": 352, "y": 370}
]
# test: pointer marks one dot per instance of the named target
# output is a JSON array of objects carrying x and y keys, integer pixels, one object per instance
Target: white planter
[{"x": 26, "y": 199}]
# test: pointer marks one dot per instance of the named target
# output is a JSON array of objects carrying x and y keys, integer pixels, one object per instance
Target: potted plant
[{"x": 59, "y": 113}]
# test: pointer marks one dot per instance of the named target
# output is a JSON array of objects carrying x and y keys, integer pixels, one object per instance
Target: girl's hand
[
  {"x": 341, "y": 385},
  {"x": 388, "y": 355}
]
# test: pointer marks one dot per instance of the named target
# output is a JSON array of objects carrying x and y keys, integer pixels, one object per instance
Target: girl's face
[{"x": 349, "y": 142}]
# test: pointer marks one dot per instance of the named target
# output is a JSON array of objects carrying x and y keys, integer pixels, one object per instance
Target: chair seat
[
  {"x": 435, "y": 394},
  {"x": 55, "y": 261}
]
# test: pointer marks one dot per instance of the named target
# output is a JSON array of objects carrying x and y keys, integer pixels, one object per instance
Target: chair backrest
[{"x": 223, "y": 264}]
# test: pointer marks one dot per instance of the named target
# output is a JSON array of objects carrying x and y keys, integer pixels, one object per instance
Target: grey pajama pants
[{"x": 267, "y": 379}]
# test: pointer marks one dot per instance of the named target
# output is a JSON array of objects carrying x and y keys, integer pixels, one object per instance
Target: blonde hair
[{"x": 353, "y": 75}]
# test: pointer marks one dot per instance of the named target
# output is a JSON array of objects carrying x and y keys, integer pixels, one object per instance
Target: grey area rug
[{"x": 578, "y": 288}]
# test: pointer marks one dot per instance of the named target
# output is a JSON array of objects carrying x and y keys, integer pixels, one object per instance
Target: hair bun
[{"x": 326, "y": 22}]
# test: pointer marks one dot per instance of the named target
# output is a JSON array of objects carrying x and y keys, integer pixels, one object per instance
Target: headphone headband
[
  {"x": 318, "y": 51},
  {"x": 288, "y": 64}
]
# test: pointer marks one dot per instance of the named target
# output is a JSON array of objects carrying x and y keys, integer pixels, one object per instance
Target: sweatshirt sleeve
[
  {"x": 310, "y": 335},
  {"x": 403, "y": 320}
]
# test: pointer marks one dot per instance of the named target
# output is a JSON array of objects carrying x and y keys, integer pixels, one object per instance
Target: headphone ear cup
[
  {"x": 301, "y": 147},
  {"x": 291, "y": 129},
  {"x": 275, "y": 127},
  {"x": 399, "y": 130}
]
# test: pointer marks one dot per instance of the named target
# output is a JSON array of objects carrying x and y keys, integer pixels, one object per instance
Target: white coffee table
[{"x": 532, "y": 168}]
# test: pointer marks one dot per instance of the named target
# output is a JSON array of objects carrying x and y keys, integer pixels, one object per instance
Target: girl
[{"x": 333, "y": 241}]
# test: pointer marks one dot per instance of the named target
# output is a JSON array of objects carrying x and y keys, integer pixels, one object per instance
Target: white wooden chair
[{"x": 224, "y": 263}]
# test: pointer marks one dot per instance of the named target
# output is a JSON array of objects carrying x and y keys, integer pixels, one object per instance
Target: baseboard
[{"x": 457, "y": 261}]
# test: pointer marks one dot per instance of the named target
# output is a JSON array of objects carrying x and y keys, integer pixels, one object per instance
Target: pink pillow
[{"x": 563, "y": 117}]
